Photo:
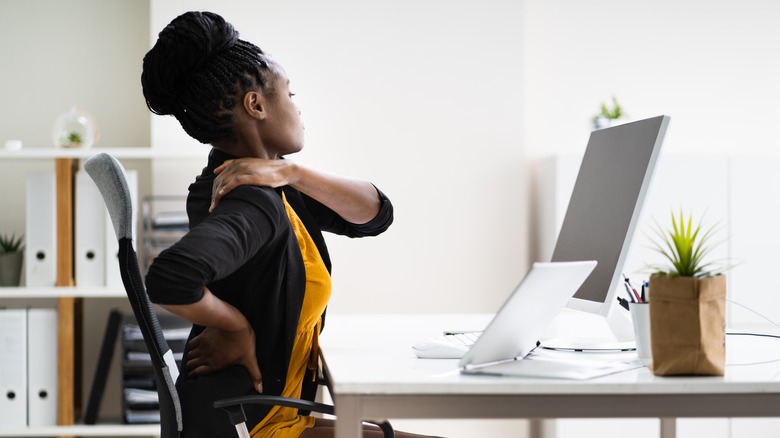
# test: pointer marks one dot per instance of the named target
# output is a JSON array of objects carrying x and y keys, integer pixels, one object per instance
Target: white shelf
[
  {"x": 196, "y": 151},
  {"x": 57, "y": 292},
  {"x": 98, "y": 430}
]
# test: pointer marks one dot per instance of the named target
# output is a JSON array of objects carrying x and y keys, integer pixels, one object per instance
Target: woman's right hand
[{"x": 216, "y": 349}]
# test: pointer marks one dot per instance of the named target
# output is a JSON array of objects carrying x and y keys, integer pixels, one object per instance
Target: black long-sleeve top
[{"x": 247, "y": 254}]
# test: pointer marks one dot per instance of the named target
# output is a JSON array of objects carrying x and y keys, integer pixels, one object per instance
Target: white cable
[{"x": 751, "y": 310}]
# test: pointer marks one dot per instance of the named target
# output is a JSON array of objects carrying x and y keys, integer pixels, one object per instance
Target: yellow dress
[{"x": 283, "y": 422}]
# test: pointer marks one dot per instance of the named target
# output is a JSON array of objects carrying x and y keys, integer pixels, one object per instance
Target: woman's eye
[{"x": 291, "y": 95}]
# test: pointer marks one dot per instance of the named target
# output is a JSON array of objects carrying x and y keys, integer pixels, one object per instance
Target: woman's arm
[
  {"x": 355, "y": 200},
  {"x": 212, "y": 250},
  {"x": 228, "y": 339}
]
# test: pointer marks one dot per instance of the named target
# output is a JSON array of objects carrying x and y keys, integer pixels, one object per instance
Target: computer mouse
[{"x": 439, "y": 349}]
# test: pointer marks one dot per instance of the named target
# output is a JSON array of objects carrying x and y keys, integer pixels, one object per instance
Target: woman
[{"x": 253, "y": 272}]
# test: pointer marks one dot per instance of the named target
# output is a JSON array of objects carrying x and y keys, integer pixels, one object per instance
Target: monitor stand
[{"x": 575, "y": 330}]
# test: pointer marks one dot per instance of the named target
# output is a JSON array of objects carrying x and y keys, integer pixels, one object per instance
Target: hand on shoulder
[{"x": 250, "y": 171}]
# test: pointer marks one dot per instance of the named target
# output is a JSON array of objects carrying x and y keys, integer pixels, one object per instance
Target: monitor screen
[{"x": 605, "y": 206}]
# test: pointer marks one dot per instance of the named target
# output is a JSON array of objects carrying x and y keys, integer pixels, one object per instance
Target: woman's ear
[{"x": 255, "y": 105}]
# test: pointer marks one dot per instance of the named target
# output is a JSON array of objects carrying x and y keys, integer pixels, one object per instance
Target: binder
[
  {"x": 40, "y": 256},
  {"x": 113, "y": 276},
  {"x": 103, "y": 366},
  {"x": 13, "y": 369},
  {"x": 90, "y": 233},
  {"x": 41, "y": 367}
]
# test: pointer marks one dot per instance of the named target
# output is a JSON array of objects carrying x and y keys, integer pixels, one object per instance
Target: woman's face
[{"x": 283, "y": 128}]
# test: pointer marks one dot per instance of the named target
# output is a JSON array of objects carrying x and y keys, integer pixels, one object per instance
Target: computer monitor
[{"x": 605, "y": 206}]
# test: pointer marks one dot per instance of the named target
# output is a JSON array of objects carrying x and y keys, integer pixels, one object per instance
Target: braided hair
[{"x": 198, "y": 70}]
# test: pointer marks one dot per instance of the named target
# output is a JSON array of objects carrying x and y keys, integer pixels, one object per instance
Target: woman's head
[{"x": 199, "y": 70}]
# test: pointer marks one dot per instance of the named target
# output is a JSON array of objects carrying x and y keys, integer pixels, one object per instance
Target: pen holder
[{"x": 640, "y": 316}]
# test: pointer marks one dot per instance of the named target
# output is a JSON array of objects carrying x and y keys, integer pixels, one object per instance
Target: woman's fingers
[
  {"x": 222, "y": 167},
  {"x": 200, "y": 370}
]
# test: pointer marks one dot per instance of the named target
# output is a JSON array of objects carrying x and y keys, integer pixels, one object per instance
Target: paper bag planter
[{"x": 688, "y": 325}]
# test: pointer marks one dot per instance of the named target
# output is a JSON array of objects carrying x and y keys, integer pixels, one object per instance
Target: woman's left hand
[{"x": 248, "y": 171}]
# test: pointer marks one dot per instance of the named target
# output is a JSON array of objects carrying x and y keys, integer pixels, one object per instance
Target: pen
[
  {"x": 631, "y": 291},
  {"x": 643, "y": 296}
]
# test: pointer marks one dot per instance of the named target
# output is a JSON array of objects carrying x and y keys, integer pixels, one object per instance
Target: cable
[
  {"x": 755, "y": 334},
  {"x": 762, "y": 335},
  {"x": 753, "y": 311}
]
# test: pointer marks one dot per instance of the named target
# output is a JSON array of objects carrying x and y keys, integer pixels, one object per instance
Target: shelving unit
[
  {"x": 25, "y": 293},
  {"x": 68, "y": 295},
  {"x": 99, "y": 430},
  {"x": 126, "y": 153}
]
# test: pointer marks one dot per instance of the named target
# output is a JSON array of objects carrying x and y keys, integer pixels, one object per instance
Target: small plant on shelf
[
  {"x": 608, "y": 116},
  {"x": 10, "y": 245},
  {"x": 11, "y": 256},
  {"x": 71, "y": 140},
  {"x": 74, "y": 138}
]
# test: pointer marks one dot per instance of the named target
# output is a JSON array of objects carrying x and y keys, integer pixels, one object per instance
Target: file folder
[
  {"x": 13, "y": 369},
  {"x": 113, "y": 276},
  {"x": 90, "y": 233},
  {"x": 40, "y": 255},
  {"x": 41, "y": 367}
]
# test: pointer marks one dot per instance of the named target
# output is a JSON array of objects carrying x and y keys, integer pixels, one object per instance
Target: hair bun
[{"x": 183, "y": 47}]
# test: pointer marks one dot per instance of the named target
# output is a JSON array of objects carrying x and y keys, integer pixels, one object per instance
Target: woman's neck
[{"x": 242, "y": 148}]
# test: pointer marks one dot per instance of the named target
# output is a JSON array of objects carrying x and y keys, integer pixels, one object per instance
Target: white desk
[{"x": 374, "y": 374}]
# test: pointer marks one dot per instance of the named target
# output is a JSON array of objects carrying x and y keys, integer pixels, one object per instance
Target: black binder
[{"x": 104, "y": 364}]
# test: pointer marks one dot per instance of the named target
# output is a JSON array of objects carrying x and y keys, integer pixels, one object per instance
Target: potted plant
[
  {"x": 608, "y": 116},
  {"x": 11, "y": 256},
  {"x": 687, "y": 298},
  {"x": 74, "y": 140}
]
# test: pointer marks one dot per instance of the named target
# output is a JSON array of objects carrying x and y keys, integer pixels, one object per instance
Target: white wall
[
  {"x": 424, "y": 99},
  {"x": 711, "y": 65}
]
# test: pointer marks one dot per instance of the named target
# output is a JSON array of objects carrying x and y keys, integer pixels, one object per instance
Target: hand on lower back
[{"x": 214, "y": 350}]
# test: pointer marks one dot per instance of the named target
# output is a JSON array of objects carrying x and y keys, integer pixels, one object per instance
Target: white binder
[
  {"x": 41, "y": 367},
  {"x": 113, "y": 277},
  {"x": 13, "y": 369},
  {"x": 40, "y": 255},
  {"x": 90, "y": 233}
]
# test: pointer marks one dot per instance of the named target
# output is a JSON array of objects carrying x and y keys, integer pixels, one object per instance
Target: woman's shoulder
[
  {"x": 261, "y": 197},
  {"x": 243, "y": 200}
]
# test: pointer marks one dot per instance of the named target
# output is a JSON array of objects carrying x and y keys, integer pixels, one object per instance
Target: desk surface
[
  {"x": 373, "y": 373},
  {"x": 371, "y": 354}
]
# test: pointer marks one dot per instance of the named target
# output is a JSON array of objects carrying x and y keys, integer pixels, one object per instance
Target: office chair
[{"x": 109, "y": 176}]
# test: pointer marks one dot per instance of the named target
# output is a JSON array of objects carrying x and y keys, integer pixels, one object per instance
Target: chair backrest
[{"x": 109, "y": 176}]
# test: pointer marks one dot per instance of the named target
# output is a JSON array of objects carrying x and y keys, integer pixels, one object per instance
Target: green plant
[
  {"x": 685, "y": 247},
  {"x": 74, "y": 137},
  {"x": 615, "y": 113},
  {"x": 11, "y": 244}
]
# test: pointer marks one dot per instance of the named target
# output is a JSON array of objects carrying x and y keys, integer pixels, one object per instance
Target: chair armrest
[
  {"x": 274, "y": 400},
  {"x": 234, "y": 407}
]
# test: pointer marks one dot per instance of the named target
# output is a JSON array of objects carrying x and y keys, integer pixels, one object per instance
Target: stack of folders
[
  {"x": 139, "y": 391},
  {"x": 165, "y": 221},
  {"x": 28, "y": 367},
  {"x": 95, "y": 243}
]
